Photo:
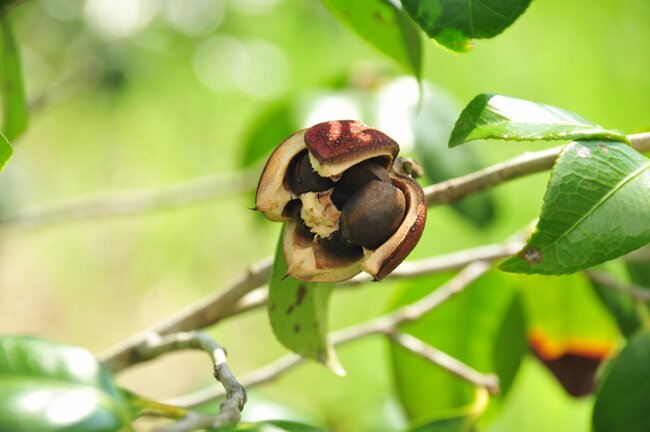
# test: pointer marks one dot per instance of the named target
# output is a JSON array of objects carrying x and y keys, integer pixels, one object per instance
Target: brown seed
[
  {"x": 372, "y": 214},
  {"x": 303, "y": 178},
  {"x": 355, "y": 177}
]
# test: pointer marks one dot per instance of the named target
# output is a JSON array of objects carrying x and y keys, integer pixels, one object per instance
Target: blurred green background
[{"x": 130, "y": 94}]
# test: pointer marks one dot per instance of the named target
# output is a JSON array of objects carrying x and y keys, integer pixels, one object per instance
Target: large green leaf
[
  {"x": 483, "y": 328},
  {"x": 490, "y": 116},
  {"x": 385, "y": 26},
  {"x": 5, "y": 151},
  {"x": 596, "y": 208},
  {"x": 12, "y": 90},
  {"x": 453, "y": 23},
  {"x": 431, "y": 126},
  {"x": 622, "y": 399},
  {"x": 298, "y": 314},
  {"x": 45, "y": 386}
]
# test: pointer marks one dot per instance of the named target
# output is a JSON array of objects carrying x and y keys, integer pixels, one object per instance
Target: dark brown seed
[
  {"x": 339, "y": 247},
  {"x": 372, "y": 214},
  {"x": 293, "y": 210},
  {"x": 355, "y": 177},
  {"x": 303, "y": 178}
]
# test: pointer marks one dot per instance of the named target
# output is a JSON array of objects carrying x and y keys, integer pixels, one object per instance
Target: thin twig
[
  {"x": 384, "y": 325},
  {"x": 213, "y": 187},
  {"x": 456, "y": 189},
  {"x": 243, "y": 294},
  {"x": 408, "y": 269},
  {"x": 447, "y": 362},
  {"x": 637, "y": 292},
  {"x": 230, "y": 409},
  {"x": 132, "y": 202},
  {"x": 640, "y": 141},
  {"x": 197, "y": 316}
]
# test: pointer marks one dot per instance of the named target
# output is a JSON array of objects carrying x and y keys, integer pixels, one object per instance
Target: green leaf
[
  {"x": 639, "y": 271},
  {"x": 385, "y": 26},
  {"x": 298, "y": 314},
  {"x": 622, "y": 307},
  {"x": 622, "y": 399},
  {"x": 490, "y": 116},
  {"x": 431, "y": 127},
  {"x": 453, "y": 23},
  {"x": 463, "y": 421},
  {"x": 596, "y": 208},
  {"x": 483, "y": 328},
  {"x": 272, "y": 126},
  {"x": 275, "y": 426},
  {"x": 14, "y": 102},
  {"x": 46, "y": 386},
  {"x": 5, "y": 151}
]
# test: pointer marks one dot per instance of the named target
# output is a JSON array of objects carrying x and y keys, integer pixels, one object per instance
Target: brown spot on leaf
[
  {"x": 603, "y": 148},
  {"x": 289, "y": 310},
  {"x": 300, "y": 295},
  {"x": 532, "y": 256},
  {"x": 272, "y": 307},
  {"x": 296, "y": 328}
]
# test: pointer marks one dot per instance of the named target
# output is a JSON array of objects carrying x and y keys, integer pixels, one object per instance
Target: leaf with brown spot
[{"x": 298, "y": 314}]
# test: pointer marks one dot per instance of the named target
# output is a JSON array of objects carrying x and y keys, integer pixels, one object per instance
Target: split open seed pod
[{"x": 382, "y": 210}]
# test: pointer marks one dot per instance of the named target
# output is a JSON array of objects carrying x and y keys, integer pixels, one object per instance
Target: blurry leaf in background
[
  {"x": 385, "y": 26},
  {"x": 46, "y": 386},
  {"x": 274, "y": 426},
  {"x": 5, "y": 150},
  {"x": 12, "y": 91},
  {"x": 623, "y": 394},
  {"x": 595, "y": 209},
  {"x": 568, "y": 328},
  {"x": 490, "y": 116},
  {"x": 639, "y": 268},
  {"x": 269, "y": 128},
  {"x": 298, "y": 313},
  {"x": 432, "y": 126},
  {"x": 463, "y": 419},
  {"x": 484, "y": 328},
  {"x": 622, "y": 306},
  {"x": 453, "y": 23}
]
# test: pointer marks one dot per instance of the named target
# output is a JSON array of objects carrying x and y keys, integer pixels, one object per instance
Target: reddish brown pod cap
[{"x": 313, "y": 246}]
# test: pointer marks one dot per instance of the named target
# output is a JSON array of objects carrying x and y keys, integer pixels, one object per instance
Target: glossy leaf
[
  {"x": 453, "y": 23},
  {"x": 431, "y": 126},
  {"x": 596, "y": 208},
  {"x": 483, "y": 328},
  {"x": 569, "y": 330},
  {"x": 622, "y": 399},
  {"x": 385, "y": 26},
  {"x": 275, "y": 426},
  {"x": 45, "y": 386},
  {"x": 298, "y": 314},
  {"x": 490, "y": 116},
  {"x": 5, "y": 151},
  {"x": 12, "y": 90}
]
